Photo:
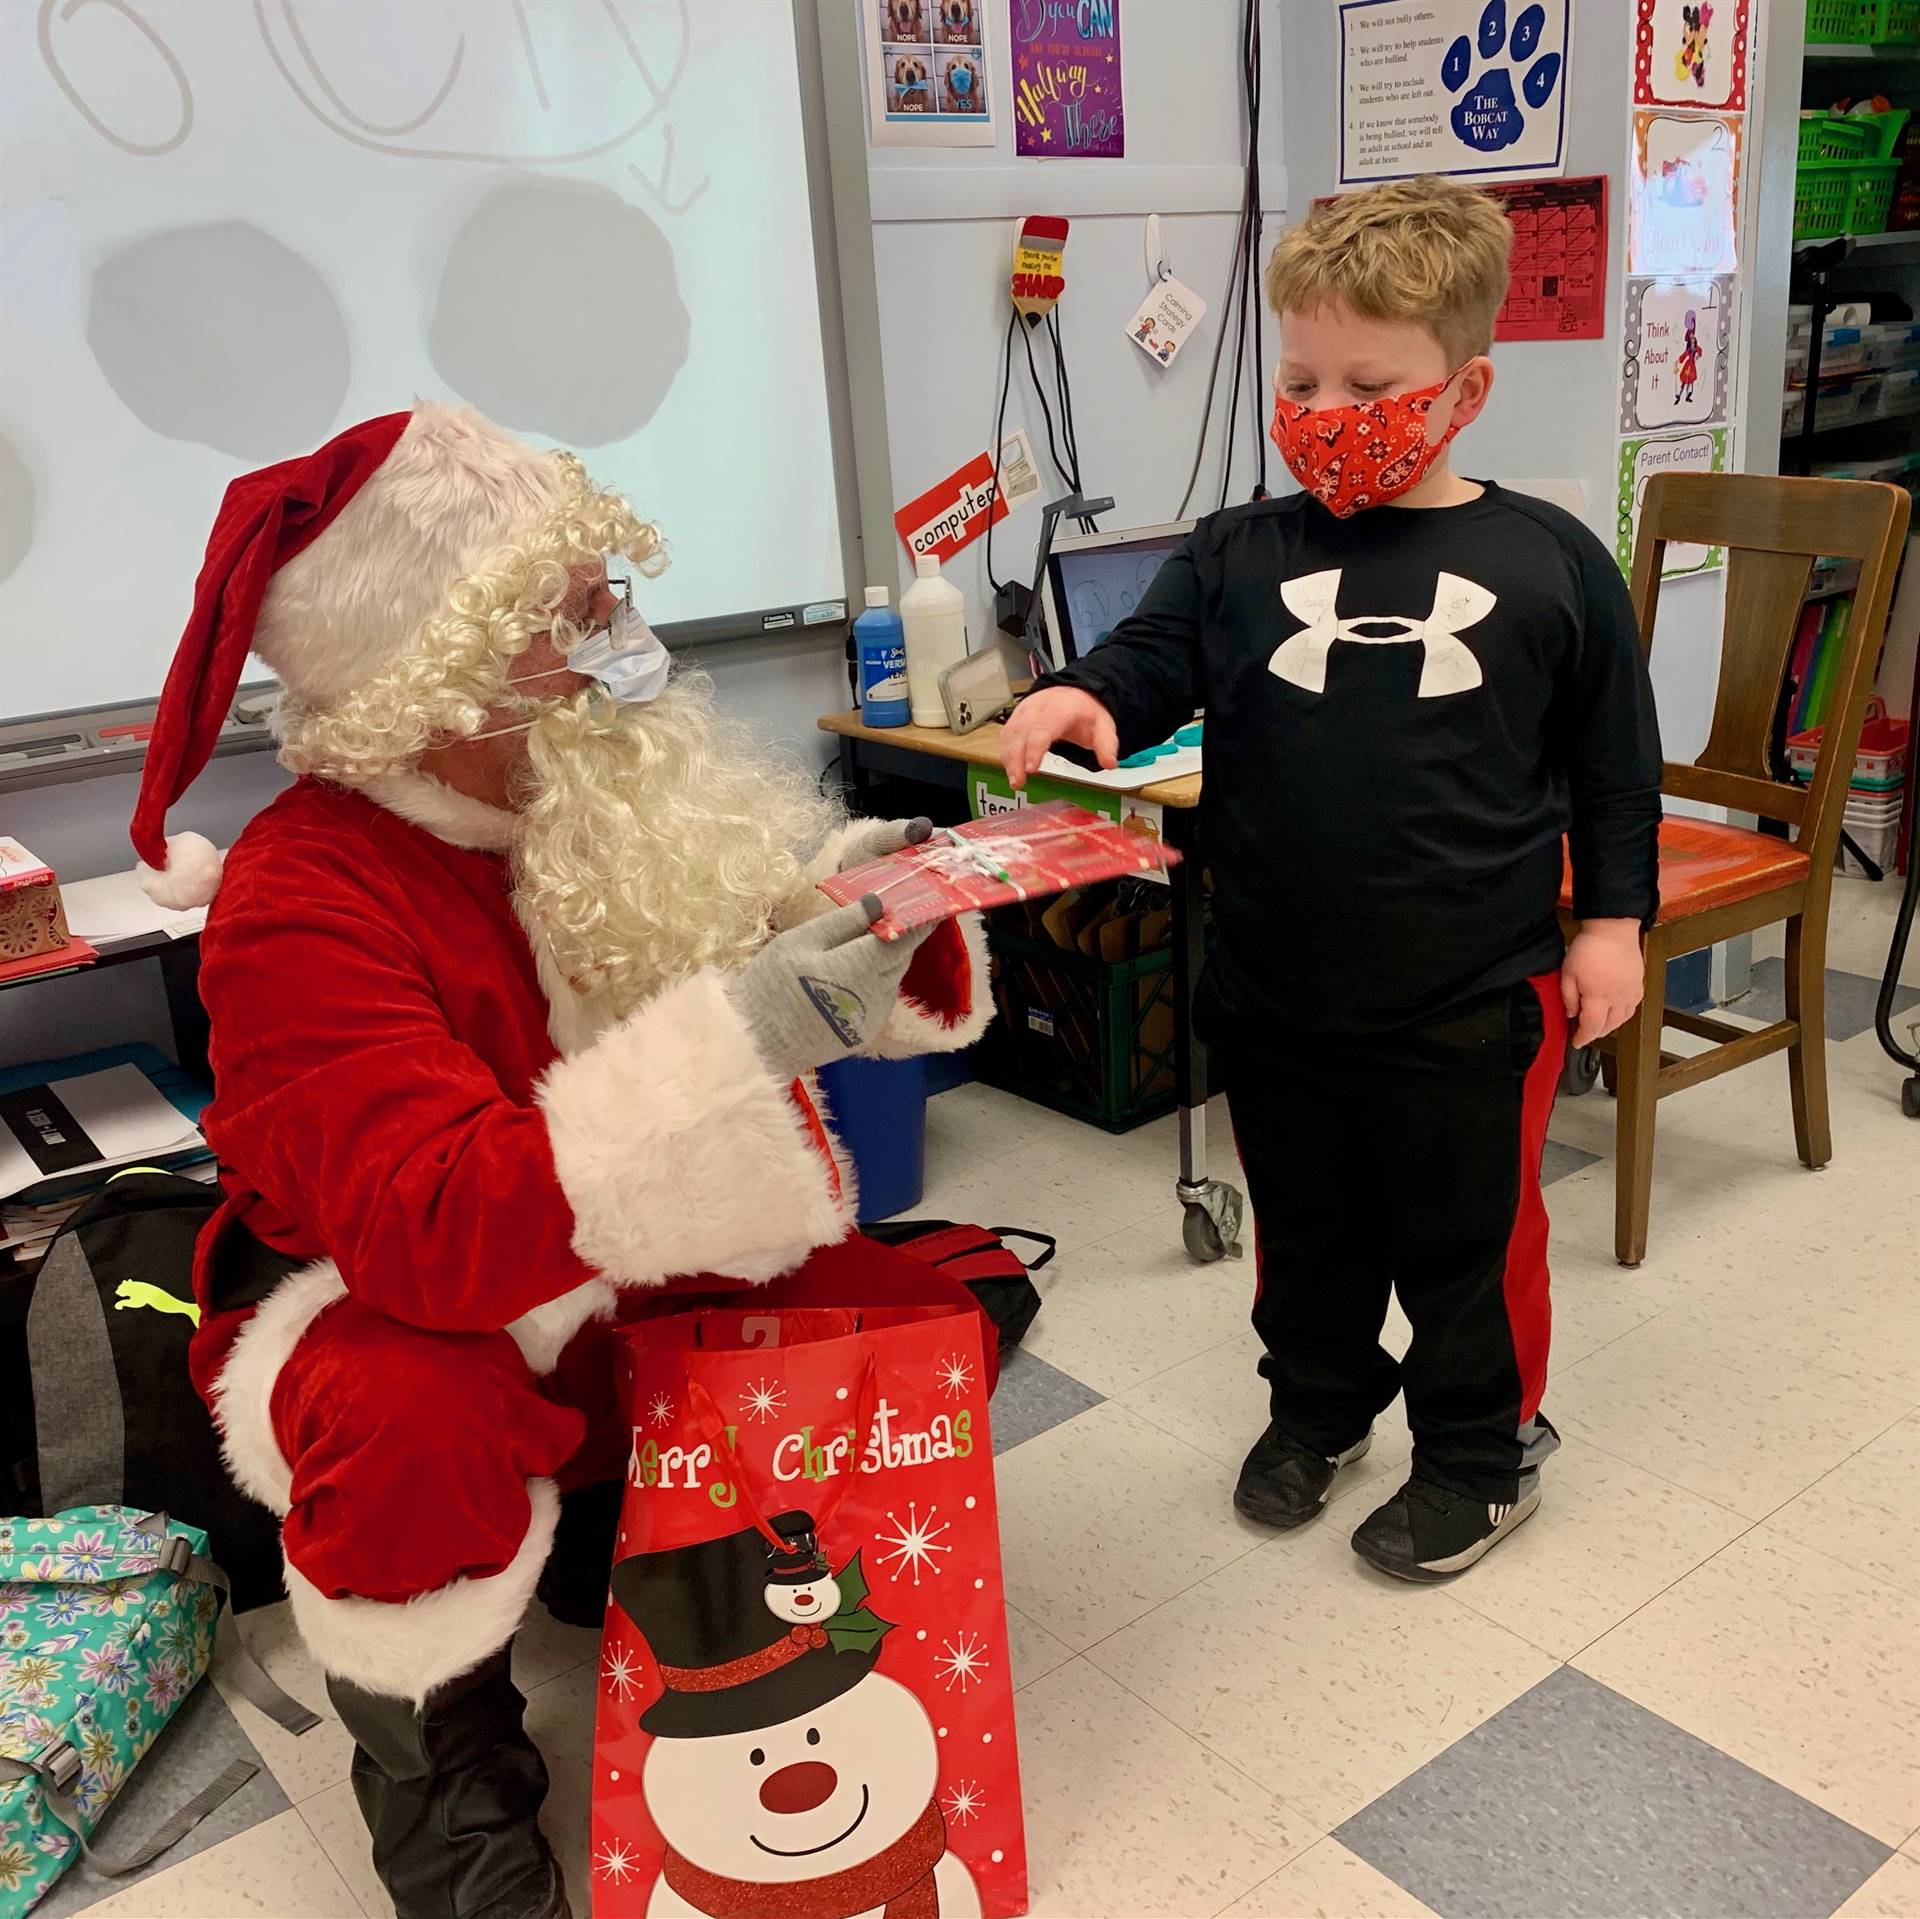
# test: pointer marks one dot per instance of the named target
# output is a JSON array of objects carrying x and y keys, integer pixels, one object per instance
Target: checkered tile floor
[{"x": 1689, "y": 1687}]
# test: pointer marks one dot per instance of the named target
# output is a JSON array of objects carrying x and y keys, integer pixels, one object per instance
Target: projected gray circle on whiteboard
[
  {"x": 16, "y": 507},
  {"x": 221, "y": 335},
  {"x": 586, "y": 366}
]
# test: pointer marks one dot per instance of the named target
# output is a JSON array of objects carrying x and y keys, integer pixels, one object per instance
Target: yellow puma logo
[{"x": 136, "y": 1292}]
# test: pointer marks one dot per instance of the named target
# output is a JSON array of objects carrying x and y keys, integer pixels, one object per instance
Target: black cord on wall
[{"x": 1242, "y": 294}]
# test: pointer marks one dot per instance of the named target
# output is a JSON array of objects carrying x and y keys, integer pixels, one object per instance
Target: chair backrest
[{"x": 1772, "y": 530}]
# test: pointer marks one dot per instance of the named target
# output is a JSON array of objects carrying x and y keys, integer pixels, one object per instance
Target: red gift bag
[{"x": 805, "y": 1704}]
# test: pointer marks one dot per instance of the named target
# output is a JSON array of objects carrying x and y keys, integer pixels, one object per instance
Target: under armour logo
[{"x": 1448, "y": 667}]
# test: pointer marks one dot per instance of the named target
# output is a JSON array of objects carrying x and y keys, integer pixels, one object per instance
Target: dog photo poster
[{"x": 927, "y": 73}]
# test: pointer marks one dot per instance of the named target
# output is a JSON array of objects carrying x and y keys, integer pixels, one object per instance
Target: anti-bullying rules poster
[
  {"x": 927, "y": 73},
  {"x": 1067, "y": 102},
  {"x": 1476, "y": 88}
]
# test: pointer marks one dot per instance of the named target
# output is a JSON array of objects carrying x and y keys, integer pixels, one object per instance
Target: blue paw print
[{"x": 1487, "y": 117}]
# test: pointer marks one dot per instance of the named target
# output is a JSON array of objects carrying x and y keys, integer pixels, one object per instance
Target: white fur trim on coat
[
  {"x": 910, "y": 1032},
  {"x": 448, "y": 815},
  {"x": 405, "y": 1648},
  {"x": 454, "y": 489},
  {"x": 681, "y": 1154},
  {"x": 243, "y": 1394},
  {"x": 543, "y": 1333}
]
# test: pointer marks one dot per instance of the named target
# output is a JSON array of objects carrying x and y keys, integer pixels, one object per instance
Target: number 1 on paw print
[{"x": 1487, "y": 117}]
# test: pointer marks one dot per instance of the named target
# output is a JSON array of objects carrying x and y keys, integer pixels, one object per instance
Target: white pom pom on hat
[{"x": 190, "y": 877}]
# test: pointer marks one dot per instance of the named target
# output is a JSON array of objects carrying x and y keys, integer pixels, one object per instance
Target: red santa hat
[{"x": 325, "y": 566}]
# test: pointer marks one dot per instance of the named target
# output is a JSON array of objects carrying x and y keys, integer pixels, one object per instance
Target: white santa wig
[{"x": 399, "y": 627}]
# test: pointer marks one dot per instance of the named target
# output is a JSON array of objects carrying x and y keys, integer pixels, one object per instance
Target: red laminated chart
[
  {"x": 1031, "y": 854},
  {"x": 1559, "y": 281}
]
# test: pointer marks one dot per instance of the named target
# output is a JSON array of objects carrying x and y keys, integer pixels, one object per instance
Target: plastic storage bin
[
  {"x": 1887, "y": 22},
  {"x": 1822, "y": 191},
  {"x": 1828, "y": 21},
  {"x": 879, "y": 1110},
  {"x": 1089, "y": 1037},
  {"x": 1879, "y": 766},
  {"x": 1870, "y": 197},
  {"x": 1833, "y": 136}
]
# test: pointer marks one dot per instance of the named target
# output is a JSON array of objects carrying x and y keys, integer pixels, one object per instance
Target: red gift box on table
[
  {"x": 1038, "y": 851},
  {"x": 805, "y": 1705}
]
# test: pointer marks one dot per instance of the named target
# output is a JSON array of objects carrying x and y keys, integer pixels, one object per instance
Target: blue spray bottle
[{"x": 880, "y": 641}]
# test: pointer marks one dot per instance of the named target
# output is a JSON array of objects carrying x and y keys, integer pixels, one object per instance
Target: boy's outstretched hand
[
  {"x": 1056, "y": 713},
  {"x": 1602, "y": 978}
]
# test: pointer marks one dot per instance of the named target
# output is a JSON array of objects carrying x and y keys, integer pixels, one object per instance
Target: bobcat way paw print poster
[{"x": 1475, "y": 88}]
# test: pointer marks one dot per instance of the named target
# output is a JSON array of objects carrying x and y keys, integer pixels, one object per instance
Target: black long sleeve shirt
[{"x": 1405, "y": 711}]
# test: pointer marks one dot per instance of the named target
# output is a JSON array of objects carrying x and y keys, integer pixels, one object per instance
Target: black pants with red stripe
[{"x": 1407, "y": 1163}]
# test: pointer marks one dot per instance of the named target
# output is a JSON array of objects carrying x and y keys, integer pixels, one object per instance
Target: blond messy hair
[{"x": 1427, "y": 250}]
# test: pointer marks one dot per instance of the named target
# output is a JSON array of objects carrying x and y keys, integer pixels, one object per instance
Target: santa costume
[{"x": 481, "y": 1087}]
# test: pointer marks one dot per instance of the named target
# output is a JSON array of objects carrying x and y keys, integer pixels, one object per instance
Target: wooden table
[{"x": 934, "y": 756}]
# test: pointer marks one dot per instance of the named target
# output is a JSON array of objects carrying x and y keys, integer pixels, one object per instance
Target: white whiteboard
[{"x": 229, "y": 228}]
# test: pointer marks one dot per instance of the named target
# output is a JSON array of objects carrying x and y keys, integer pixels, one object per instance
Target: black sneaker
[
  {"x": 1284, "y": 1484},
  {"x": 1427, "y": 1533}
]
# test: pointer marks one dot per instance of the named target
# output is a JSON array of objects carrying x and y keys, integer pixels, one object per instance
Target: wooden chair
[{"x": 1719, "y": 881}]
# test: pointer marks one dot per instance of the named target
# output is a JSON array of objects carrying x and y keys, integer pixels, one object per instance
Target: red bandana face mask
[{"x": 1350, "y": 457}]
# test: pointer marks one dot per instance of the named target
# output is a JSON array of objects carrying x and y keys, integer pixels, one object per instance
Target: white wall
[
  {"x": 1555, "y": 407},
  {"x": 944, "y": 224}
]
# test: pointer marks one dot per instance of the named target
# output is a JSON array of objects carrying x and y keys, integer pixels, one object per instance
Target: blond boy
[{"x": 1416, "y": 685}]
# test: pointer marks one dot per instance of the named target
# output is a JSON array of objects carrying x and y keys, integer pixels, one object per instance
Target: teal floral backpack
[{"x": 108, "y": 1619}]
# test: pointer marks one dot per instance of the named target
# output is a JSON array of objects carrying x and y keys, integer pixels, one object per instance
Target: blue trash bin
[{"x": 879, "y": 1110}]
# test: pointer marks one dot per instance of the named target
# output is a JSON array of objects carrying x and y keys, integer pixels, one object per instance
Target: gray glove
[
  {"x": 875, "y": 839},
  {"x": 823, "y": 990}
]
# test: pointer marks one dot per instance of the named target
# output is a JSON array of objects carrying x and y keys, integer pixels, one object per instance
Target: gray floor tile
[
  {"x": 199, "y": 1743},
  {"x": 1850, "y": 998},
  {"x": 1560, "y": 1160},
  {"x": 1032, "y": 1397},
  {"x": 1577, "y": 1802}
]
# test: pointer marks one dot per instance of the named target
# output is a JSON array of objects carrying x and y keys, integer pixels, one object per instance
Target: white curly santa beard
[{"x": 655, "y": 841}]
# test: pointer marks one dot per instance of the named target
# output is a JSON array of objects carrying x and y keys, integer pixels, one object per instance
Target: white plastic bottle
[{"x": 934, "y": 613}]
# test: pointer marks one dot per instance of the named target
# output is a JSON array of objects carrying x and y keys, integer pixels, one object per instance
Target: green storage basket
[
  {"x": 1845, "y": 21},
  {"x": 1871, "y": 197},
  {"x": 1822, "y": 197},
  {"x": 1833, "y": 136},
  {"x": 1089, "y": 1037},
  {"x": 1888, "y": 22},
  {"x": 1883, "y": 130}
]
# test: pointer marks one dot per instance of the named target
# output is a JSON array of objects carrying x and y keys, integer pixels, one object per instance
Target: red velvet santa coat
[{"x": 392, "y": 1110}]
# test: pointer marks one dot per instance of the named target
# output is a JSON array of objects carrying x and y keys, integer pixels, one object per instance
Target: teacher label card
[
  {"x": 1677, "y": 352},
  {"x": 1640, "y": 460},
  {"x": 1682, "y": 178},
  {"x": 1690, "y": 53}
]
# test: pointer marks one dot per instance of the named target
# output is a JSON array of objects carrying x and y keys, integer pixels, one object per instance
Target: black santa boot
[{"x": 451, "y": 1793}]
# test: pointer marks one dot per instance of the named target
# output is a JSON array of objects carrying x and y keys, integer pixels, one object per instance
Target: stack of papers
[
  {"x": 63, "y": 1134},
  {"x": 114, "y": 907}
]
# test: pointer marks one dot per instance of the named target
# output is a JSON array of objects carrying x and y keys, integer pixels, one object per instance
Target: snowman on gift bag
[{"x": 786, "y": 1775}]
